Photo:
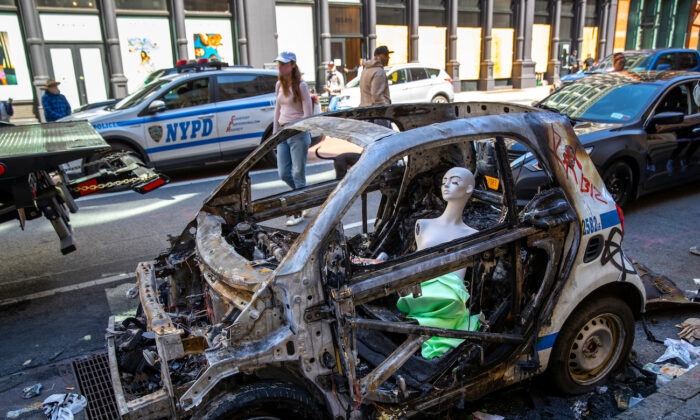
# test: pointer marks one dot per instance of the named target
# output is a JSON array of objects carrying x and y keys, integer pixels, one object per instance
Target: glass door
[{"x": 81, "y": 72}]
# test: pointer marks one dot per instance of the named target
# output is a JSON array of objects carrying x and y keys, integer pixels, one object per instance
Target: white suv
[
  {"x": 411, "y": 82},
  {"x": 186, "y": 119}
]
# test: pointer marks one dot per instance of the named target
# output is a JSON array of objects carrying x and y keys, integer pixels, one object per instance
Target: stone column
[
  {"x": 178, "y": 16},
  {"x": 242, "y": 32},
  {"x": 452, "y": 64},
  {"x": 524, "y": 67},
  {"x": 611, "y": 23},
  {"x": 371, "y": 7},
  {"x": 580, "y": 23},
  {"x": 116, "y": 71},
  {"x": 325, "y": 29},
  {"x": 486, "y": 81},
  {"x": 35, "y": 45},
  {"x": 553, "y": 65},
  {"x": 414, "y": 11},
  {"x": 603, "y": 29}
]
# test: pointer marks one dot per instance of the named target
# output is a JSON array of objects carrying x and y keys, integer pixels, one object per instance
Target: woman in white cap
[{"x": 293, "y": 103}]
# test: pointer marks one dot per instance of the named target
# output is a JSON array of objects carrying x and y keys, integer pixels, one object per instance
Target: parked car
[
  {"x": 663, "y": 59},
  {"x": 641, "y": 130},
  {"x": 209, "y": 114},
  {"x": 408, "y": 83},
  {"x": 95, "y": 105},
  {"x": 243, "y": 316}
]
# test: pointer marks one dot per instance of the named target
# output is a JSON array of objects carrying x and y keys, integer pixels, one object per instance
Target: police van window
[
  {"x": 267, "y": 83},
  {"x": 141, "y": 95},
  {"x": 237, "y": 86},
  {"x": 190, "y": 93}
]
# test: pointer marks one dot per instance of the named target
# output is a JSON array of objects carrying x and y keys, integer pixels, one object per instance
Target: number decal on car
[{"x": 591, "y": 225}]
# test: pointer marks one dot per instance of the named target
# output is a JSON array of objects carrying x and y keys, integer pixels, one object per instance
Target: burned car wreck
[{"x": 243, "y": 317}]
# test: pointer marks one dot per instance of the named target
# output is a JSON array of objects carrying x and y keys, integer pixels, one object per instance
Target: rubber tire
[
  {"x": 558, "y": 369},
  {"x": 440, "y": 99},
  {"x": 626, "y": 181},
  {"x": 274, "y": 399}
]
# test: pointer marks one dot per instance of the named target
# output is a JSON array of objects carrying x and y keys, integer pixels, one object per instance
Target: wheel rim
[
  {"x": 596, "y": 349},
  {"x": 619, "y": 183},
  {"x": 440, "y": 100}
]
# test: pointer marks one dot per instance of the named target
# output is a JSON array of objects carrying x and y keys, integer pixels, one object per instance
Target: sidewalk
[
  {"x": 518, "y": 96},
  {"x": 679, "y": 399}
]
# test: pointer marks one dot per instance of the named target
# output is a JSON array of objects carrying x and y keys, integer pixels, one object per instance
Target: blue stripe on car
[
  {"x": 194, "y": 113},
  {"x": 183, "y": 145},
  {"x": 609, "y": 219},
  {"x": 543, "y": 343}
]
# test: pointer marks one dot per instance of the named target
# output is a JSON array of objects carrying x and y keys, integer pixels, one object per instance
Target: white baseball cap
[{"x": 286, "y": 57}]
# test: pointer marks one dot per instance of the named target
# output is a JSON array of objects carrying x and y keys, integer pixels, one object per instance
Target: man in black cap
[{"x": 374, "y": 85}]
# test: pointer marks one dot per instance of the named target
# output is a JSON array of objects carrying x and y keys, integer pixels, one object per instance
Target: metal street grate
[{"x": 95, "y": 383}]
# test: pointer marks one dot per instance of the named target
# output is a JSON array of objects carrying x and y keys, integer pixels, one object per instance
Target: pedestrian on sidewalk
[
  {"x": 374, "y": 85},
  {"x": 358, "y": 69},
  {"x": 573, "y": 62},
  {"x": 293, "y": 103},
  {"x": 55, "y": 104},
  {"x": 334, "y": 85},
  {"x": 588, "y": 63},
  {"x": 6, "y": 110}
]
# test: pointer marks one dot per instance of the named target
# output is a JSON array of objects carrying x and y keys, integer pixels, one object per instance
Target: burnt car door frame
[{"x": 400, "y": 274}]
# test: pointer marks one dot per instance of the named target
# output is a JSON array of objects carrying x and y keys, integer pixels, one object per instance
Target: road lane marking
[{"x": 71, "y": 288}]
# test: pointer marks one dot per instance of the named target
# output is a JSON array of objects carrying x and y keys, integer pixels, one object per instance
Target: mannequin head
[{"x": 457, "y": 185}]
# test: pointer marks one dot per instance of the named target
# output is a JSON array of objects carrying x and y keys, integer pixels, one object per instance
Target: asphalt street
[{"x": 55, "y": 307}]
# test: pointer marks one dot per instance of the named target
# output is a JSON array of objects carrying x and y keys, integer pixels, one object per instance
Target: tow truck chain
[{"x": 111, "y": 184}]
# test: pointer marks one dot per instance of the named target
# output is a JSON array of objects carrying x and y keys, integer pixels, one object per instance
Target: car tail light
[
  {"x": 2, "y": 169},
  {"x": 202, "y": 61},
  {"x": 448, "y": 80},
  {"x": 622, "y": 218},
  {"x": 181, "y": 62}
]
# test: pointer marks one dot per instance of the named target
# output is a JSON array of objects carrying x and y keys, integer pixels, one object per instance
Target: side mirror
[
  {"x": 156, "y": 106},
  {"x": 664, "y": 118}
]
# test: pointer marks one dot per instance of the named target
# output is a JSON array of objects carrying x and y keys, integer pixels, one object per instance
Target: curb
[{"x": 679, "y": 399}]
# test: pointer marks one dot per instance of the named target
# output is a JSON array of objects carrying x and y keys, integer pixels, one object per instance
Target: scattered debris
[
  {"x": 32, "y": 391},
  {"x": 63, "y": 406},
  {"x": 601, "y": 389},
  {"x": 690, "y": 329},
  {"x": 579, "y": 409},
  {"x": 622, "y": 397},
  {"x": 55, "y": 355},
  {"x": 665, "y": 373},
  {"x": 27, "y": 362},
  {"x": 682, "y": 351},
  {"x": 695, "y": 250},
  {"x": 70, "y": 388},
  {"x": 635, "y": 400},
  {"x": 486, "y": 416},
  {"x": 21, "y": 411}
]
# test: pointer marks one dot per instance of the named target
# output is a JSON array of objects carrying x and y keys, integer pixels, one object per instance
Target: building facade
[{"x": 100, "y": 49}]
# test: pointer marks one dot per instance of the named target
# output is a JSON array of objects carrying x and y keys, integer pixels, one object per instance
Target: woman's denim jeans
[{"x": 291, "y": 159}]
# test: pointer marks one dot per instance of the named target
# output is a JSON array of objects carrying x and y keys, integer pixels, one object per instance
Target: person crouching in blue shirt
[{"x": 55, "y": 104}]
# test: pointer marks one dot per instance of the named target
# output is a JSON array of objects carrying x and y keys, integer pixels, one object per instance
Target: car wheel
[
  {"x": 263, "y": 400},
  {"x": 594, "y": 342},
  {"x": 440, "y": 99},
  {"x": 619, "y": 180}
]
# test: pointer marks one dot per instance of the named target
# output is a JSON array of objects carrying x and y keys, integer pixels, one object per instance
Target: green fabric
[{"x": 442, "y": 305}]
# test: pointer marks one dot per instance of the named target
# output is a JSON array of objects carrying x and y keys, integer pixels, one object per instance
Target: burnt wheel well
[{"x": 621, "y": 290}]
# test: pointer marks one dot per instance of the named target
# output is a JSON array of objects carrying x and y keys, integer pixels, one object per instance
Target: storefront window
[
  {"x": 141, "y": 4},
  {"x": 391, "y": 12},
  {"x": 591, "y": 14},
  {"x": 542, "y": 12},
  {"x": 469, "y": 14},
  {"x": 206, "y": 5},
  {"x": 432, "y": 13},
  {"x": 83, "y": 4},
  {"x": 502, "y": 14}
]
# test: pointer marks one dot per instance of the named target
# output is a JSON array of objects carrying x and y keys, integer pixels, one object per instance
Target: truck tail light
[{"x": 622, "y": 218}]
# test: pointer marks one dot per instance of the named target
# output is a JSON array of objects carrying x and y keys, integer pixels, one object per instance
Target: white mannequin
[{"x": 457, "y": 187}]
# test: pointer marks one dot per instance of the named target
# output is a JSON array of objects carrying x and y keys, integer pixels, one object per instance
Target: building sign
[
  {"x": 469, "y": 52},
  {"x": 540, "y": 47},
  {"x": 145, "y": 47},
  {"x": 344, "y": 20},
  {"x": 14, "y": 72},
  {"x": 60, "y": 27},
  {"x": 396, "y": 38}
]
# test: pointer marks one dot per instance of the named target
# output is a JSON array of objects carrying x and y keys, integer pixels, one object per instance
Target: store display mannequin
[{"x": 443, "y": 302}]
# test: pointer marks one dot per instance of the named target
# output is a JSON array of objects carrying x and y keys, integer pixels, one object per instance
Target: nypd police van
[{"x": 185, "y": 119}]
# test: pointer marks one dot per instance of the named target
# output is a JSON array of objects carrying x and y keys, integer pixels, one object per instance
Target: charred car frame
[{"x": 239, "y": 317}]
